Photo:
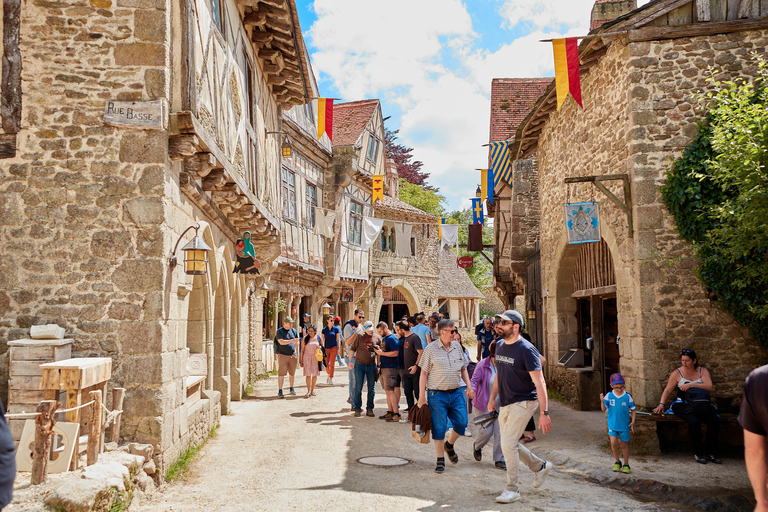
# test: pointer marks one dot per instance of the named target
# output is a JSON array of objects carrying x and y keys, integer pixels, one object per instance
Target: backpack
[{"x": 277, "y": 345}]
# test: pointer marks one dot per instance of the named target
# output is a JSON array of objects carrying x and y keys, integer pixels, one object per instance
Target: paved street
[{"x": 301, "y": 454}]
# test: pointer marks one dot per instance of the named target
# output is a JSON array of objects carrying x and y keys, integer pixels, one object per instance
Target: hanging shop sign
[
  {"x": 466, "y": 262},
  {"x": 246, "y": 257},
  {"x": 347, "y": 294},
  {"x": 386, "y": 293},
  {"x": 582, "y": 222}
]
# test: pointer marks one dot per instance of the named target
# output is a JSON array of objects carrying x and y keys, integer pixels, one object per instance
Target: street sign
[
  {"x": 466, "y": 261},
  {"x": 386, "y": 293}
]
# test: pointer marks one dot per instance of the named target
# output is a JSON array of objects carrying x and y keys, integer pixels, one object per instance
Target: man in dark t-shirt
[
  {"x": 388, "y": 354},
  {"x": 753, "y": 417},
  {"x": 286, "y": 340},
  {"x": 412, "y": 350},
  {"x": 362, "y": 350},
  {"x": 485, "y": 337},
  {"x": 521, "y": 387}
]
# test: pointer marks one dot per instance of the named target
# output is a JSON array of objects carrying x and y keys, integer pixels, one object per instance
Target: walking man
[
  {"x": 287, "y": 339},
  {"x": 753, "y": 418},
  {"x": 520, "y": 383},
  {"x": 485, "y": 338},
  {"x": 443, "y": 368},
  {"x": 365, "y": 368},
  {"x": 390, "y": 381},
  {"x": 412, "y": 352},
  {"x": 350, "y": 333}
]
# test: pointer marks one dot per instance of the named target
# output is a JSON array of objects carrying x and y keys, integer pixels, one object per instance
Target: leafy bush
[{"x": 718, "y": 194}]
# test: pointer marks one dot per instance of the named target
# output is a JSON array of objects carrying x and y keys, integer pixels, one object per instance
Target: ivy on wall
[{"x": 718, "y": 194}]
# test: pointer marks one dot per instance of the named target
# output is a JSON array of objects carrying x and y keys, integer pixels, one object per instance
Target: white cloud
[{"x": 421, "y": 56}]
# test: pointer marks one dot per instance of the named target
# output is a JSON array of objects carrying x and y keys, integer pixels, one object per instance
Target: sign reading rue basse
[{"x": 135, "y": 114}]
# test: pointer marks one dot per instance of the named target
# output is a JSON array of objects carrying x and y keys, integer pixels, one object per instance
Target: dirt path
[{"x": 301, "y": 454}]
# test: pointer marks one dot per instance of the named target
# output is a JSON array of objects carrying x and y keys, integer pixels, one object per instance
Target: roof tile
[
  {"x": 350, "y": 120},
  {"x": 511, "y": 101}
]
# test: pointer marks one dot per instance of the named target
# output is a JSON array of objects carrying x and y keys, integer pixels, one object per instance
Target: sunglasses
[
  {"x": 687, "y": 352},
  {"x": 454, "y": 331}
]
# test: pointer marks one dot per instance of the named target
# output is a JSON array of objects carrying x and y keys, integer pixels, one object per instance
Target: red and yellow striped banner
[
  {"x": 325, "y": 117},
  {"x": 567, "y": 70}
]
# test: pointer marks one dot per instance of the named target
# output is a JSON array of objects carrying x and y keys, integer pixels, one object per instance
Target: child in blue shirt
[{"x": 621, "y": 420}]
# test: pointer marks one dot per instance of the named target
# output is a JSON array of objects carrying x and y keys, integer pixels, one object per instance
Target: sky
[{"x": 431, "y": 63}]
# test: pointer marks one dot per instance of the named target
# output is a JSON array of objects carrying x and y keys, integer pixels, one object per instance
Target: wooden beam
[
  {"x": 275, "y": 80},
  {"x": 697, "y": 29},
  {"x": 43, "y": 437},
  {"x": 275, "y": 13},
  {"x": 94, "y": 429},
  {"x": 118, "y": 394},
  {"x": 7, "y": 145},
  {"x": 625, "y": 206},
  {"x": 196, "y": 194},
  {"x": 702, "y": 10},
  {"x": 10, "y": 89},
  {"x": 200, "y": 164},
  {"x": 661, "y": 12},
  {"x": 182, "y": 145},
  {"x": 260, "y": 37}
]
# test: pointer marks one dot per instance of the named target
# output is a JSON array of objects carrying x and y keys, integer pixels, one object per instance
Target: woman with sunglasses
[{"x": 694, "y": 405}]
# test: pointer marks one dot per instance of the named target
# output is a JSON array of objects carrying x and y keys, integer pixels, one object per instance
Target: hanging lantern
[
  {"x": 326, "y": 309},
  {"x": 478, "y": 192},
  {"x": 264, "y": 290},
  {"x": 287, "y": 147},
  {"x": 195, "y": 254}
]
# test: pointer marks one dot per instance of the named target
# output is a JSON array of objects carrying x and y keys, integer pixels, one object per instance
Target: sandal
[
  {"x": 306, "y": 396},
  {"x": 313, "y": 394},
  {"x": 451, "y": 452},
  {"x": 527, "y": 440},
  {"x": 440, "y": 467}
]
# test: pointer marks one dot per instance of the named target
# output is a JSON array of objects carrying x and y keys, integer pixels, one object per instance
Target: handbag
[
  {"x": 697, "y": 400},
  {"x": 319, "y": 354}
]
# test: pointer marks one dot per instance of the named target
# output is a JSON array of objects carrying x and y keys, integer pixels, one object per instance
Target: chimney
[
  {"x": 392, "y": 179},
  {"x": 608, "y": 10}
]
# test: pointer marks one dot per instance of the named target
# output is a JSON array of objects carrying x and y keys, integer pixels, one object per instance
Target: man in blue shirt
[
  {"x": 484, "y": 339},
  {"x": 520, "y": 384},
  {"x": 388, "y": 362},
  {"x": 420, "y": 330}
]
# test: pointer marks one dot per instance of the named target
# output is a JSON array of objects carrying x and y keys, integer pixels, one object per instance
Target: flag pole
[
  {"x": 619, "y": 33},
  {"x": 319, "y": 98}
]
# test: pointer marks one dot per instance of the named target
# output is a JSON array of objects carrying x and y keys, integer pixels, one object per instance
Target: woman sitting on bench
[{"x": 694, "y": 405}]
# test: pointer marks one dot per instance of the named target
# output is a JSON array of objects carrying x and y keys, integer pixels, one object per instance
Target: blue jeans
[
  {"x": 364, "y": 372},
  {"x": 351, "y": 377},
  {"x": 463, "y": 389},
  {"x": 445, "y": 406}
]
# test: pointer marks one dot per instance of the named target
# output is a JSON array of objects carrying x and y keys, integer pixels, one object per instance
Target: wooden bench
[{"x": 671, "y": 431}]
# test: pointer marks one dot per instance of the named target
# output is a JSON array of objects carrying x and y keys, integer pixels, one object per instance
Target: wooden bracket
[{"x": 625, "y": 206}]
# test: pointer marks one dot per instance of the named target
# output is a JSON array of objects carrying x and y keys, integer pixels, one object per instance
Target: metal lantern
[
  {"x": 195, "y": 256},
  {"x": 326, "y": 308},
  {"x": 264, "y": 290},
  {"x": 478, "y": 192},
  {"x": 287, "y": 147}
]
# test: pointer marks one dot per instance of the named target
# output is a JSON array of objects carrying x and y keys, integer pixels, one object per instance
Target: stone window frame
[
  {"x": 289, "y": 194},
  {"x": 355, "y": 222},
  {"x": 10, "y": 88}
]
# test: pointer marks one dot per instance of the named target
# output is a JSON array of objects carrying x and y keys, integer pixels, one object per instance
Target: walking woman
[
  {"x": 331, "y": 335},
  {"x": 482, "y": 383},
  {"x": 309, "y": 347}
]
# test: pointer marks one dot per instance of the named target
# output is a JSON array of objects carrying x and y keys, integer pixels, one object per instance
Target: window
[
  {"x": 249, "y": 89},
  {"x": 384, "y": 238},
  {"x": 355, "y": 223},
  {"x": 413, "y": 246},
  {"x": 289, "y": 195},
  {"x": 217, "y": 13},
  {"x": 311, "y": 204},
  {"x": 373, "y": 148}
]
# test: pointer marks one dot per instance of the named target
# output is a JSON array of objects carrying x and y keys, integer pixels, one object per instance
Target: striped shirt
[{"x": 443, "y": 365}]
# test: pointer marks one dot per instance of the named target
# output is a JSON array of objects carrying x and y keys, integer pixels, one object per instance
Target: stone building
[
  {"x": 631, "y": 302},
  {"x": 131, "y": 121},
  {"x": 413, "y": 274},
  {"x": 458, "y": 295}
]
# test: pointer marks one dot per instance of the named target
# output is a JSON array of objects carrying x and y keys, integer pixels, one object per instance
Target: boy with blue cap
[{"x": 621, "y": 411}]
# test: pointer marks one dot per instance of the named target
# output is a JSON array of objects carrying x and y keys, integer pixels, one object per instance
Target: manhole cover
[{"x": 383, "y": 461}]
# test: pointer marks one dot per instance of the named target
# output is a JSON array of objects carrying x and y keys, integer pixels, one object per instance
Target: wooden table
[{"x": 78, "y": 377}]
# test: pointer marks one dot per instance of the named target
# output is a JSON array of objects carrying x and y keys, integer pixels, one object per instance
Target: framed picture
[{"x": 347, "y": 294}]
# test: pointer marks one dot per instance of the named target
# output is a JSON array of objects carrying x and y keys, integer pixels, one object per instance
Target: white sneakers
[
  {"x": 330, "y": 381},
  {"x": 508, "y": 496},
  {"x": 540, "y": 475}
]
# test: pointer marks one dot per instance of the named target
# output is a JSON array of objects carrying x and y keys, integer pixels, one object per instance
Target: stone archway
[
  {"x": 199, "y": 318},
  {"x": 238, "y": 377},
  {"x": 408, "y": 293},
  {"x": 221, "y": 341}
]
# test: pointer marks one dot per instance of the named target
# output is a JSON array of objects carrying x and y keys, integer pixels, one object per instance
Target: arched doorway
[{"x": 393, "y": 310}]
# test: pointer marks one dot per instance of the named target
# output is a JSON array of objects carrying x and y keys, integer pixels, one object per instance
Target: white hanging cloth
[
  {"x": 403, "y": 239},
  {"x": 324, "y": 223},
  {"x": 450, "y": 236},
  {"x": 371, "y": 229}
]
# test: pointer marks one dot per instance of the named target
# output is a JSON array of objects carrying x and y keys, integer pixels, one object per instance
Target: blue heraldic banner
[{"x": 583, "y": 223}]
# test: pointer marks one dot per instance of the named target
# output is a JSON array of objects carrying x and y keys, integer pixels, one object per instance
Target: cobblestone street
[{"x": 300, "y": 454}]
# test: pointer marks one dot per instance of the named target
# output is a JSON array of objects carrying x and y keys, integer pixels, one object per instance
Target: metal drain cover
[{"x": 383, "y": 461}]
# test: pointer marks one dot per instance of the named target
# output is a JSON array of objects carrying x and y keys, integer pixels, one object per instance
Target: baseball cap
[
  {"x": 617, "y": 378},
  {"x": 337, "y": 319},
  {"x": 368, "y": 326},
  {"x": 512, "y": 316},
  {"x": 287, "y": 320}
]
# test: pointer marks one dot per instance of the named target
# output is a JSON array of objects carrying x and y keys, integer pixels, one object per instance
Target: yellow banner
[
  {"x": 378, "y": 188},
  {"x": 484, "y": 184},
  {"x": 561, "y": 70}
]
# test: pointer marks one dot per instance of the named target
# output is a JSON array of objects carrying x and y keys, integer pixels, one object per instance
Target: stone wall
[{"x": 638, "y": 114}]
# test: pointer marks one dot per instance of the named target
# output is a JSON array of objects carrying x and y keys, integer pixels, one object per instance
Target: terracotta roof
[
  {"x": 511, "y": 101},
  {"x": 391, "y": 204},
  {"x": 350, "y": 120},
  {"x": 454, "y": 283}
]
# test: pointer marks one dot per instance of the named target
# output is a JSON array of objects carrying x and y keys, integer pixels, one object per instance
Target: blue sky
[{"x": 431, "y": 63}]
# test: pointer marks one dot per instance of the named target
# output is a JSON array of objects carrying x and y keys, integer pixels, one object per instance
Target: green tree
[
  {"x": 718, "y": 193},
  {"x": 481, "y": 272},
  {"x": 429, "y": 201}
]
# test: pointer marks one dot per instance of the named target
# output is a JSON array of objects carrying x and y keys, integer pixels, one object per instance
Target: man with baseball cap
[
  {"x": 520, "y": 385},
  {"x": 362, "y": 351},
  {"x": 287, "y": 340}
]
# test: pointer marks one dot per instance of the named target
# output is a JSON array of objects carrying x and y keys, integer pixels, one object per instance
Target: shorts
[
  {"x": 390, "y": 378},
  {"x": 446, "y": 406},
  {"x": 286, "y": 364},
  {"x": 623, "y": 435}
]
